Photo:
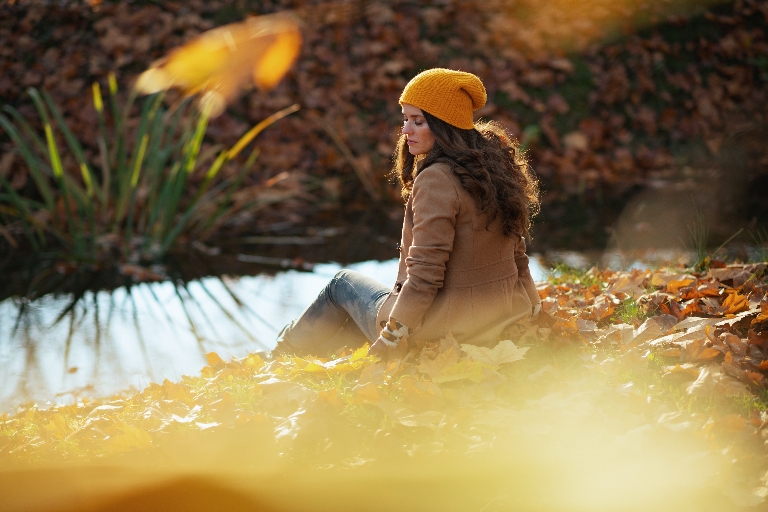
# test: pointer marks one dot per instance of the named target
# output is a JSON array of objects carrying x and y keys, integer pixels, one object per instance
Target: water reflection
[{"x": 54, "y": 349}]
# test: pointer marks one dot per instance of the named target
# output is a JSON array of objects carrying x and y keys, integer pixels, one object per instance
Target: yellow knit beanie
[{"x": 449, "y": 95}]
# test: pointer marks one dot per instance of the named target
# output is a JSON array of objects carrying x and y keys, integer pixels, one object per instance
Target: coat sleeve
[
  {"x": 524, "y": 272},
  {"x": 435, "y": 203}
]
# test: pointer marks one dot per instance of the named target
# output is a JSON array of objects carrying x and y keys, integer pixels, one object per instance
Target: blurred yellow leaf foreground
[
  {"x": 221, "y": 62},
  {"x": 615, "y": 399}
]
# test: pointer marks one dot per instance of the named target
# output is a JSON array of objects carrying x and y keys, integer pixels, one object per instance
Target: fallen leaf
[
  {"x": 428, "y": 419},
  {"x": 504, "y": 352},
  {"x": 712, "y": 382},
  {"x": 131, "y": 438}
]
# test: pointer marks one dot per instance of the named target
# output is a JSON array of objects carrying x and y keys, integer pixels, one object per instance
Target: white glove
[
  {"x": 536, "y": 310},
  {"x": 392, "y": 333}
]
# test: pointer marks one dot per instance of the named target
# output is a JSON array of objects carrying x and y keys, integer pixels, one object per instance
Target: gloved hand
[
  {"x": 389, "y": 338},
  {"x": 536, "y": 310}
]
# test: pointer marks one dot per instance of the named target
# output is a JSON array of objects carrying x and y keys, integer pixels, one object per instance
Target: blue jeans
[{"x": 344, "y": 310}]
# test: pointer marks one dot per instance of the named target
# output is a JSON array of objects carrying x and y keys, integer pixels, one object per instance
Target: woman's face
[{"x": 415, "y": 128}]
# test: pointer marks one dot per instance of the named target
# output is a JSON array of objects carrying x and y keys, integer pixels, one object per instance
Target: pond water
[{"x": 128, "y": 337}]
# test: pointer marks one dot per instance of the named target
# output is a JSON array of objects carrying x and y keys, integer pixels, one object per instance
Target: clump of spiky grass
[{"x": 159, "y": 158}]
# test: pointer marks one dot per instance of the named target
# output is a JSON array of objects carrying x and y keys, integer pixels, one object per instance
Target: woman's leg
[{"x": 348, "y": 297}]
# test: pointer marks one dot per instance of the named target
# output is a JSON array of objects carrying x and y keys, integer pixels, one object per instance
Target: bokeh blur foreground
[{"x": 639, "y": 390}]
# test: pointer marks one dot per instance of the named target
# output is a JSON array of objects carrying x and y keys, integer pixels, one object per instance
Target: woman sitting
[{"x": 470, "y": 197}]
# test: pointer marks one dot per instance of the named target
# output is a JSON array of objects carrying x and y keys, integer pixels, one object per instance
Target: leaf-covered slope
[{"x": 608, "y": 98}]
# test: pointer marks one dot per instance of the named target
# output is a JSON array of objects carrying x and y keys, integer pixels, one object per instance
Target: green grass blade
[
  {"x": 34, "y": 164},
  {"x": 26, "y": 128},
  {"x": 128, "y": 176},
  {"x": 58, "y": 171},
  {"x": 73, "y": 143},
  {"x": 223, "y": 207},
  {"x": 177, "y": 181},
  {"x": 25, "y": 215},
  {"x": 53, "y": 149},
  {"x": 253, "y": 132},
  {"x": 106, "y": 175}
]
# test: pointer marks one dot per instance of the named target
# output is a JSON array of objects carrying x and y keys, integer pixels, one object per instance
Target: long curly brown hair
[{"x": 490, "y": 166}]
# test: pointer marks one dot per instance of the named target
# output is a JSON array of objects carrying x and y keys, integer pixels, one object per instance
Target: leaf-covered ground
[{"x": 641, "y": 390}]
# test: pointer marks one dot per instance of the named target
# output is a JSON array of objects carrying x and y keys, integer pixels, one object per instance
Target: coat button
[{"x": 398, "y": 287}]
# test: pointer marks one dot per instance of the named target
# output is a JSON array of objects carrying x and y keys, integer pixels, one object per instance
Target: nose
[{"x": 407, "y": 128}]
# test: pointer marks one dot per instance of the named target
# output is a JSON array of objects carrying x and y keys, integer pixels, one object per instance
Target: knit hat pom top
[{"x": 449, "y": 95}]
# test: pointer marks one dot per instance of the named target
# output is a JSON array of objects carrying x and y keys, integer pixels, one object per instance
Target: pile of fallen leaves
[
  {"x": 637, "y": 360},
  {"x": 601, "y": 114},
  {"x": 712, "y": 327}
]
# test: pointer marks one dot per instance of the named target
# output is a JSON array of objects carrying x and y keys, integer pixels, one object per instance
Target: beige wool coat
[{"x": 457, "y": 273}]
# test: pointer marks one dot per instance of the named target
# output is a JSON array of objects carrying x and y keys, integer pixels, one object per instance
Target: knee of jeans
[
  {"x": 341, "y": 275},
  {"x": 332, "y": 287}
]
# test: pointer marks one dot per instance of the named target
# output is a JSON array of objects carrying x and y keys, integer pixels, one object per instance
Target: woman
[{"x": 470, "y": 197}]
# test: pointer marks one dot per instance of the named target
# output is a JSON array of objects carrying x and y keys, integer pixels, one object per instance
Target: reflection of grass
[
  {"x": 134, "y": 194},
  {"x": 699, "y": 237},
  {"x": 760, "y": 237}
]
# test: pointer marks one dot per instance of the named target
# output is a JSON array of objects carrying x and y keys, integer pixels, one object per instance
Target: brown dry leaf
[
  {"x": 710, "y": 289},
  {"x": 712, "y": 381},
  {"x": 663, "y": 278},
  {"x": 674, "y": 286},
  {"x": 732, "y": 423},
  {"x": 565, "y": 327},
  {"x": 696, "y": 351},
  {"x": 670, "y": 352},
  {"x": 630, "y": 284},
  {"x": 691, "y": 309},
  {"x": 449, "y": 354},
  {"x": 735, "y": 303},
  {"x": 603, "y": 307},
  {"x": 757, "y": 378},
  {"x": 685, "y": 371}
]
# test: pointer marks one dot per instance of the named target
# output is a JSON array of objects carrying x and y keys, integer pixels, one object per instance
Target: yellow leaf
[
  {"x": 277, "y": 59},
  {"x": 368, "y": 392},
  {"x": 735, "y": 303},
  {"x": 131, "y": 438},
  {"x": 470, "y": 370},
  {"x": 503, "y": 353},
  {"x": 313, "y": 367},
  {"x": 220, "y": 62},
  {"x": 428, "y": 419},
  {"x": 332, "y": 397},
  {"x": 254, "y": 361},
  {"x": 434, "y": 366},
  {"x": 213, "y": 359},
  {"x": 360, "y": 353},
  {"x": 418, "y": 389}
]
